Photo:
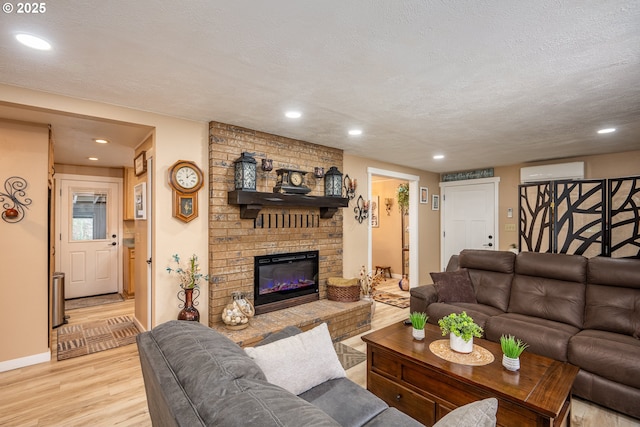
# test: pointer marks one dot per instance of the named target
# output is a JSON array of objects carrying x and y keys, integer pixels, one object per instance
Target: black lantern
[
  {"x": 245, "y": 172},
  {"x": 333, "y": 182}
]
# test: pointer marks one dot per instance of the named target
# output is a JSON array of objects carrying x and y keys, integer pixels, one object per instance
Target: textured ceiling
[{"x": 487, "y": 83}]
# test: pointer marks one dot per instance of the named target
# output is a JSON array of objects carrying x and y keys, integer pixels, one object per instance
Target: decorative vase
[
  {"x": 188, "y": 312},
  {"x": 236, "y": 314},
  {"x": 418, "y": 334},
  {"x": 404, "y": 283},
  {"x": 373, "y": 304},
  {"x": 510, "y": 363},
  {"x": 459, "y": 345}
]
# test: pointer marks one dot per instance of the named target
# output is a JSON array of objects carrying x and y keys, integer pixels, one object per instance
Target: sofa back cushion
[
  {"x": 491, "y": 273},
  {"x": 550, "y": 286},
  {"x": 613, "y": 295}
]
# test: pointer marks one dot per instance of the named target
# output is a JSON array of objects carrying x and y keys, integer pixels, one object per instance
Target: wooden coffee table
[{"x": 407, "y": 375}]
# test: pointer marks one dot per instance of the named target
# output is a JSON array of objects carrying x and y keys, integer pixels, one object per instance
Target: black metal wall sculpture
[
  {"x": 587, "y": 217},
  {"x": 14, "y": 200}
]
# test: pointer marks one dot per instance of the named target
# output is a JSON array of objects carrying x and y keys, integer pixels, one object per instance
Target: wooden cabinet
[
  {"x": 129, "y": 282},
  {"x": 127, "y": 186}
]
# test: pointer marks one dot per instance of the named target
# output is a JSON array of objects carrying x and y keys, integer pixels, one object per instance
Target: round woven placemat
[{"x": 478, "y": 357}]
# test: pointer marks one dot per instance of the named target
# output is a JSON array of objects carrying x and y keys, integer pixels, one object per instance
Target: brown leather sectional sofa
[{"x": 567, "y": 307}]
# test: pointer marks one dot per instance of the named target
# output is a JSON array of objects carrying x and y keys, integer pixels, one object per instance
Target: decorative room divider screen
[{"x": 587, "y": 217}]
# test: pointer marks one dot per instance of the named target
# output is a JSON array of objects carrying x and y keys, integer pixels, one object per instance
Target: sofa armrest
[{"x": 421, "y": 297}]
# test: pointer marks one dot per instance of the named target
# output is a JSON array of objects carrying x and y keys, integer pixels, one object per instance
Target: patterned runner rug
[
  {"x": 392, "y": 299},
  {"x": 348, "y": 356},
  {"x": 92, "y": 337}
]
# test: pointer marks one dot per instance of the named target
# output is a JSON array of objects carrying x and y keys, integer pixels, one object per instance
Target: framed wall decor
[
  {"x": 185, "y": 206},
  {"x": 140, "y": 163},
  {"x": 424, "y": 195},
  {"x": 435, "y": 202},
  {"x": 140, "y": 201},
  {"x": 375, "y": 204}
]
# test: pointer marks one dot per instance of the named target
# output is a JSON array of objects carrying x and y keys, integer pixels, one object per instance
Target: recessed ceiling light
[
  {"x": 293, "y": 114},
  {"x": 33, "y": 42},
  {"x": 93, "y": 159},
  {"x": 438, "y": 157},
  {"x": 607, "y": 130},
  {"x": 101, "y": 141},
  {"x": 355, "y": 132}
]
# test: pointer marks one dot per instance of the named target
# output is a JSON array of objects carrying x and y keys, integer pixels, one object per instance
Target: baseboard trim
[{"x": 34, "y": 359}]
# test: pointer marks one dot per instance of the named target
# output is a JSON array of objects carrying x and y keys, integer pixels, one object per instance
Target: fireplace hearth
[{"x": 285, "y": 280}]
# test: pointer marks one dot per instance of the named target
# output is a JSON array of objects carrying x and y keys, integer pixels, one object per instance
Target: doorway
[
  {"x": 413, "y": 223},
  {"x": 89, "y": 220},
  {"x": 468, "y": 215}
]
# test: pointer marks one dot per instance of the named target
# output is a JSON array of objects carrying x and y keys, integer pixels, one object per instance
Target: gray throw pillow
[
  {"x": 477, "y": 414},
  {"x": 454, "y": 286}
]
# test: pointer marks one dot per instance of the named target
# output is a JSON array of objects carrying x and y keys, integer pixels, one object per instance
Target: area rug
[
  {"x": 392, "y": 299},
  {"x": 95, "y": 336},
  {"x": 72, "y": 304},
  {"x": 348, "y": 356}
]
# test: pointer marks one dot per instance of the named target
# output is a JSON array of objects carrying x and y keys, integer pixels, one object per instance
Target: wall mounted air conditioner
[{"x": 555, "y": 172}]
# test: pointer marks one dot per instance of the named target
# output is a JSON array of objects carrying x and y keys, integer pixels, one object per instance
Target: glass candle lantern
[
  {"x": 333, "y": 182},
  {"x": 245, "y": 172}
]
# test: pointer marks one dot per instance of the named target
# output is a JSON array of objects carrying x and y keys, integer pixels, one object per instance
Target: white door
[
  {"x": 88, "y": 237},
  {"x": 468, "y": 217}
]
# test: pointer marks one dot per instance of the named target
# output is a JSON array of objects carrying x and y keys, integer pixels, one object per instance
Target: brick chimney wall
[{"x": 233, "y": 242}]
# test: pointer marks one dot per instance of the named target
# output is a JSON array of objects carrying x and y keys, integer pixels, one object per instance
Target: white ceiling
[{"x": 487, "y": 83}]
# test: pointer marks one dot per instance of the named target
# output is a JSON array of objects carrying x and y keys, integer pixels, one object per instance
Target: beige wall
[
  {"x": 595, "y": 167},
  {"x": 24, "y": 285},
  {"x": 356, "y": 235},
  {"x": 175, "y": 139}
]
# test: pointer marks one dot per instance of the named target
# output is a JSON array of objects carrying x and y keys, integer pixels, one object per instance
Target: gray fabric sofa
[
  {"x": 566, "y": 307},
  {"x": 195, "y": 376}
]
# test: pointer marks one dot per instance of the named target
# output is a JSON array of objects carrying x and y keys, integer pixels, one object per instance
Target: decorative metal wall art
[
  {"x": 350, "y": 186},
  {"x": 361, "y": 210},
  {"x": 14, "y": 200}
]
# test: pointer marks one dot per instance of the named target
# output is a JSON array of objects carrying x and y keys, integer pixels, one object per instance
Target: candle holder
[
  {"x": 350, "y": 186},
  {"x": 361, "y": 210},
  {"x": 388, "y": 203},
  {"x": 14, "y": 201}
]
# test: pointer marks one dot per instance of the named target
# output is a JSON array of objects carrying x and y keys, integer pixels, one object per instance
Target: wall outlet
[{"x": 509, "y": 227}]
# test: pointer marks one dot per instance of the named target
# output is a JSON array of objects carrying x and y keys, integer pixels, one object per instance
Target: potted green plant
[
  {"x": 461, "y": 329},
  {"x": 418, "y": 321},
  {"x": 512, "y": 348},
  {"x": 403, "y": 198}
]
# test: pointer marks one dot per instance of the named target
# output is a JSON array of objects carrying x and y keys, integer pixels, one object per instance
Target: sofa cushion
[
  {"x": 612, "y": 309},
  {"x": 613, "y": 296},
  {"x": 255, "y": 402},
  {"x": 570, "y": 268},
  {"x": 299, "y": 362},
  {"x": 545, "y": 337},
  {"x": 610, "y": 355},
  {"x": 477, "y": 414},
  {"x": 393, "y": 417},
  {"x": 491, "y": 273},
  {"x": 355, "y": 410},
  {"x": 454, "y": 286}
]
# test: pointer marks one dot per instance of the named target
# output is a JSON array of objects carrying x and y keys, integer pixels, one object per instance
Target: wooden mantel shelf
[{"x": 251, "y": 202}]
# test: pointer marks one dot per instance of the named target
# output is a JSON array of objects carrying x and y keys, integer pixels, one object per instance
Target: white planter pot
[
  {"x": 418, "y": 334},
  {"x": 458, "y": 344},
  {"x": 510, "y": 363}
]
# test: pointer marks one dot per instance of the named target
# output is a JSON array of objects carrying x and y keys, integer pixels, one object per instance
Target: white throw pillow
[{"x": 300, "y": 362}]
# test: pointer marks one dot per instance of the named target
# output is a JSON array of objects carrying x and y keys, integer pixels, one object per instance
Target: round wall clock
[{"x": 185, "y": 177}]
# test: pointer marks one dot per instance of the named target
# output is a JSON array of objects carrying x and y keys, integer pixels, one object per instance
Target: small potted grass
[
  {"x": 418, "y": 321},
  {"x": 512, "y": 348}
]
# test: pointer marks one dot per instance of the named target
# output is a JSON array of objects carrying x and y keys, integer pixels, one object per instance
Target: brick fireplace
[{"x": 234, "y": 242}]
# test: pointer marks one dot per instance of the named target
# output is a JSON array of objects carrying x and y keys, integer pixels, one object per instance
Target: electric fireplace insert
[{"x": 285, "y": 280}]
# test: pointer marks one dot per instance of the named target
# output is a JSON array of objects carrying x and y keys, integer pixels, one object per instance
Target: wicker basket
[{"x": 343, "y": 290}]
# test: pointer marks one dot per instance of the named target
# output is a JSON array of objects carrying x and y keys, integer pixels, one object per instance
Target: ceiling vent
[{"x": 556, "y": 172}]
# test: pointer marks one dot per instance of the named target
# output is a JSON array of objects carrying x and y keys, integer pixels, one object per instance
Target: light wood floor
[{"x": 106, "y": 388}]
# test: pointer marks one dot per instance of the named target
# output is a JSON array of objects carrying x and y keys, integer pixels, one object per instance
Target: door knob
[
  {"x": 113, "y": 243},
  {"x": 490, "y": 244}
]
